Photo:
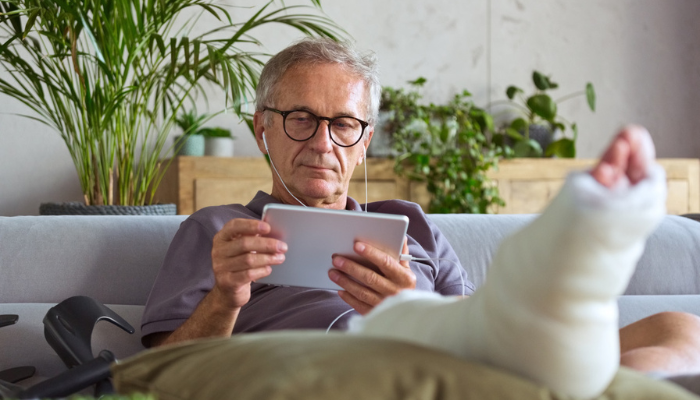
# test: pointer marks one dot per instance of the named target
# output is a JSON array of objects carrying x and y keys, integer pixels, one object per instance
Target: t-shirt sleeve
[
  {"x": 184, "y": 279},
  {"x": 437, "y": 265}
]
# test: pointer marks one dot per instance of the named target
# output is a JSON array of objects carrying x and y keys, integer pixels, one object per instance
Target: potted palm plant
[{"x": 111, "y": 75}]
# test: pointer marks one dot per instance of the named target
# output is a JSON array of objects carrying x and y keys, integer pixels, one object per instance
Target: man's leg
[
  {"x": 548, "y": 310},
  {"x": 667, "y": 343}
]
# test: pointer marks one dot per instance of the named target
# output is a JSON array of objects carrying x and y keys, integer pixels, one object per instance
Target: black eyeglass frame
[{"x": 284, "y": 114}]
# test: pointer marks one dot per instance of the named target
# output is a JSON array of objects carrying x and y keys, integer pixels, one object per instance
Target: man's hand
[
  {"x": 373, "y": 287},
  {"x": 240, "y": 256}
]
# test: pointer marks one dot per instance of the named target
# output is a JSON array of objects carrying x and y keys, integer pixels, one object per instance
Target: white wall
[{"x": 642, "y": 55}]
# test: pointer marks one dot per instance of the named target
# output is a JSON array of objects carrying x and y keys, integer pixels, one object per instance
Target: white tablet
[{"x": 314, "y": 235}]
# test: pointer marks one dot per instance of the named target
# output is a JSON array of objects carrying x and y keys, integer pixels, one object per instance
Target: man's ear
[
  {"x": 370, "y": 133},
  {"x": 365, "y": 144},
  {"x": 259, "y": 128}
]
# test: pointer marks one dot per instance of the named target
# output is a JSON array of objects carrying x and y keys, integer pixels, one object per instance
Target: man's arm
[
  {"x": 239, "y": 256},
  {"x": 209, "y": 319}
]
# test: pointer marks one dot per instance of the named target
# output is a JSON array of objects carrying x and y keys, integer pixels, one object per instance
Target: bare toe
[
  {"x": 630, "y": 154},
  {"x": 642, "y": 152},
  {"x": 613, "y": 163}
]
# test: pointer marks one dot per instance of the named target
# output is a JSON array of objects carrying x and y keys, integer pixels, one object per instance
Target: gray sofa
[{"x": 44, "y": 260}]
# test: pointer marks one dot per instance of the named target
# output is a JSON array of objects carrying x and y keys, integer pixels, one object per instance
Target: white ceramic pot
[
  {"x": 189, "y": 145},
  {"x": 218, "y": 147}
]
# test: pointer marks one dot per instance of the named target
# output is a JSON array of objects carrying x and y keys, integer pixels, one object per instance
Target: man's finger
[
  {"x": 242, "y": 226},
  {"x": 360, "y": 292},
  {"x": 247, "y": 244},
  {"x": 364, "y": 275},
  {"x": 362, "y": 308},
  {"x": 247, "y": 261},
  {"x": 388, "y": 265}
]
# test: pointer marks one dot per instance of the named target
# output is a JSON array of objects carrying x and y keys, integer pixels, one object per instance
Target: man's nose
[{"x": 321, "y": 141}]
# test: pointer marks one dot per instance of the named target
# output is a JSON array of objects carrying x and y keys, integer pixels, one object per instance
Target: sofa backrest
[
  {"x": 670, "y": 263},
  {"x": 112, "y": 258},
  {"x": 115, "y": 258}
]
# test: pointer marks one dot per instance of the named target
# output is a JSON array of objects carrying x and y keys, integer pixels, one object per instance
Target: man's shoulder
[{"x": 401, "y": 207}]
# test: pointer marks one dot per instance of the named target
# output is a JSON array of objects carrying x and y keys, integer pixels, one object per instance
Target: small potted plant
[
  {"x": 218, "y": 142},
  {"x": 533, "y": 133},
  {"x": 198, "y": 140},
  {"x": 191, "y": 142}
]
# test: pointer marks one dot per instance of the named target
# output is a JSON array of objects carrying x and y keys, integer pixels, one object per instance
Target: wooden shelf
[{"x": 526, "y": 185}]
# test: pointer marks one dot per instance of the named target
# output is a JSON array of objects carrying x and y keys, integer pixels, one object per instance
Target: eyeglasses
[{"x": 302, "y": 125}]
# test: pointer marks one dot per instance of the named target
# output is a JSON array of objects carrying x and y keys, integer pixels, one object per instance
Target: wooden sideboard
[{"x": 526, "y": 185}]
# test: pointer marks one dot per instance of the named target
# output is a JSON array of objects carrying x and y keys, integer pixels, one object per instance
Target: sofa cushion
[
  {"x": 310, "y": 365},
  {"x": 634, "y": 308},
  {"x": 113, "y": 259},
  {"x": 670, "y": 263}
]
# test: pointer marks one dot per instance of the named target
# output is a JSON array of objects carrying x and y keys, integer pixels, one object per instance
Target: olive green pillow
[{"x": 310, "y": 365}]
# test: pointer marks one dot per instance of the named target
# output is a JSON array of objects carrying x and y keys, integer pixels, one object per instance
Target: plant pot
[
  {"x": 189, "y": 145},
  {"x": 218, "y": 146},
  {"x": 542, "y": 135},
  {"x": 76, "y": 208}
]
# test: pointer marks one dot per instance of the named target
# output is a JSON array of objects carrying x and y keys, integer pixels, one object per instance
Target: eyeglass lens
[{"x": 301, "y": 125}]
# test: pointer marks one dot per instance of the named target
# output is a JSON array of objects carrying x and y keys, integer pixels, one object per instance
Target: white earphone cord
[
  {"x": 408, "y": 257},
  {"x": 364, "y": 161},
  {"x": 275, "y": 169}
]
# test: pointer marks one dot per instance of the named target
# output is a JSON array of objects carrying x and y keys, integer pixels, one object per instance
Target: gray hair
[{"x": 312, "y": 51}]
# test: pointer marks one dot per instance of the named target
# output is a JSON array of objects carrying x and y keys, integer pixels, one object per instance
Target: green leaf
[
  {"x": 574, "y": 128},
  {"x": 519, "y": 124},
  {"x": 512, "y": 91},
  {"x": 562, "y": 148},
  {"x": 540, "y": 80},
  {"x": 215, "y": 132},
  {"x": 590, "y": 96},
  {"x": 30, "y": 23},
  {"x": 444, "y": 132},
  {"x": 418, "y": 82},
  {"x": 488, "y": 123},
  {"x": 543, "y": 105},
  {"x": 527, "y": 148},
  {"x": 98, "y": 52},
  {"x": 15, "y": 19},
  {"x": 514, "y": 134}
]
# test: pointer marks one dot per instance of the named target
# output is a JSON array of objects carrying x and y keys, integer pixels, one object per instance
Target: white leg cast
[{"x": 547, "y": 310}]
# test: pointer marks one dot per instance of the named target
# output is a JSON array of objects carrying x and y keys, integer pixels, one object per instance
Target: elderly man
[{"x": 316, "y": 108}]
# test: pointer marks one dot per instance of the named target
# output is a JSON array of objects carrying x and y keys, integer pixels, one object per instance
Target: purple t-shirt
[{"x": 186, "y": 275}]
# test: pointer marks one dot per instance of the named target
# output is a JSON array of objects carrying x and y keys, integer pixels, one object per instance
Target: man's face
[{"x": 317, "y": 171}]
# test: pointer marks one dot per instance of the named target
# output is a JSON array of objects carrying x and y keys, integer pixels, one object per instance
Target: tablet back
[{"x": 314, "y": 235}]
